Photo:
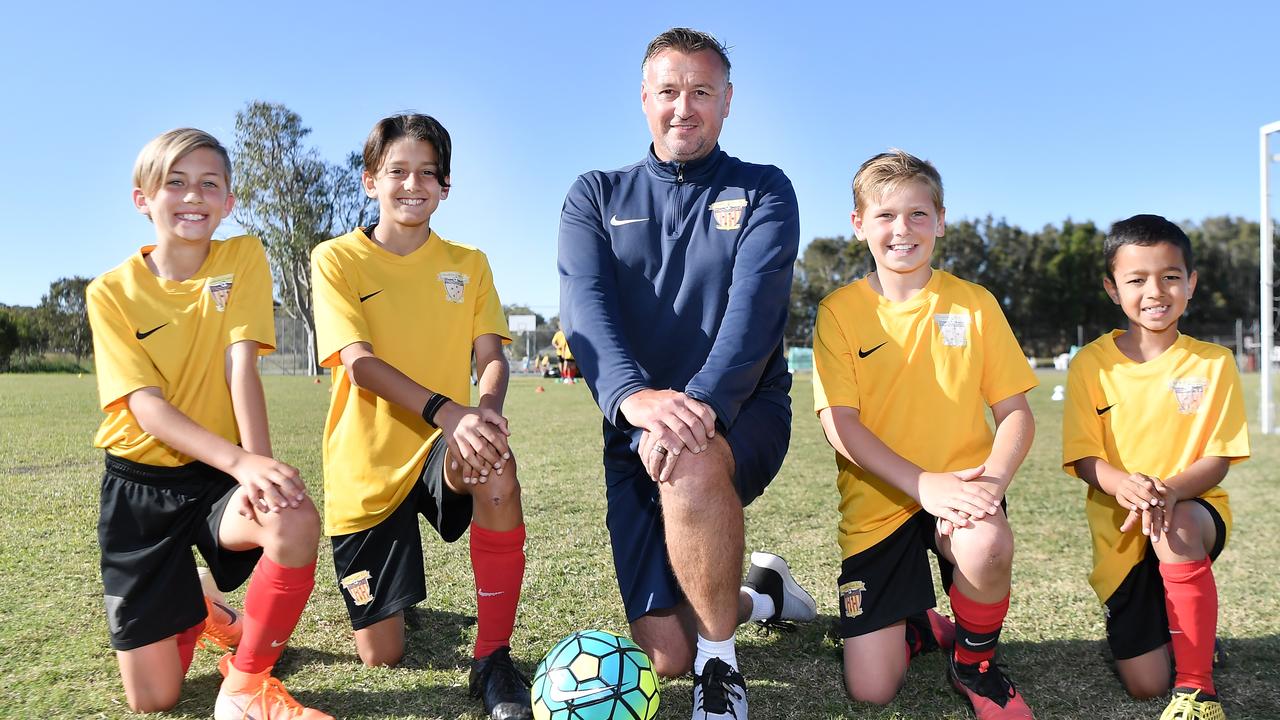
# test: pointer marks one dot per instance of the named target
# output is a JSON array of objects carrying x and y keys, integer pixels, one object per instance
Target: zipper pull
[{"x": 680, "y": 173}]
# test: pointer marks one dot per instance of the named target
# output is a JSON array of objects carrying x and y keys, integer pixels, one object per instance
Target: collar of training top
[{"x": 692, "y": 171}]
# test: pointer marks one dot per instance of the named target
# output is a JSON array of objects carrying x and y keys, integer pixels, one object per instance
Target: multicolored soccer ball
[{"x": 595, "y": 675}]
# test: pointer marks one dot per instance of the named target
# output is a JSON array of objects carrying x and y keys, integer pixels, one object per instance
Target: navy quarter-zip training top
[{"x": 678, "y": 276}]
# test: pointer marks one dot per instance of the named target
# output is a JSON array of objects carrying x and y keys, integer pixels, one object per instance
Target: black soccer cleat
[
  {"x": 500, "y": 686},
  {"x": 770, "y": 575}
]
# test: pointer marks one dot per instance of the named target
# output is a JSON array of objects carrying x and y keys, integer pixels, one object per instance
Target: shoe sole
[{"x": 777, "y": 564}]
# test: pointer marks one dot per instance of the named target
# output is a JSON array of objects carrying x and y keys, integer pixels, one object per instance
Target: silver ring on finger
[{"x": 660, "y": 450}]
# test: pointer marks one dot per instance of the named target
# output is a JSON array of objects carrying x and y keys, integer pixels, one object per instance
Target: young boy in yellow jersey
[
  {"x": 908, "y": 361},
  {"x": 177, "y": 331},
  {"x": 399, "y": 313},
  {"x": 1152, "y": 421}
]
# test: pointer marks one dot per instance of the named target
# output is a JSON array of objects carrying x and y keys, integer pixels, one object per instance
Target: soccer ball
[{"x": 595, "y": 675}]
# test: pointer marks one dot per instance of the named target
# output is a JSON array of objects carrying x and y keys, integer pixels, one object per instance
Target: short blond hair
[
  {"x": 888, "y": 171},
  {"x": 159, "y": 156}
]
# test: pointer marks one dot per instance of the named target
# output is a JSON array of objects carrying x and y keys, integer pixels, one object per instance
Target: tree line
[{"x": 1049, "y": 281}]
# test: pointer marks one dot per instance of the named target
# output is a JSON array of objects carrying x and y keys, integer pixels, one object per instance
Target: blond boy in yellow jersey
[
  {"x": 1152, "y": 421},
  {"x": 177, "y": 330},
  {"x": 399, "y": 313},
  {"x": 908, "y": 362}
]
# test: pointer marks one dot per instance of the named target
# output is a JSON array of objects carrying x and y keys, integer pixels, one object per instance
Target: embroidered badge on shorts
[
  {"x": 454, "y": 284},
  {"x": 728, "y": 213},
  {"x": 851, "y": 598},
  {"x": 220, "y": 290},
  {"x": 357, "y": 586},
  {"x": 1189, "y": 392},
  {"x": 954, "y": 328}
]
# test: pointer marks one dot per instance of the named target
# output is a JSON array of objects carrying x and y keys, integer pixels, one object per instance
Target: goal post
[{"x": 1266, "y": 280}]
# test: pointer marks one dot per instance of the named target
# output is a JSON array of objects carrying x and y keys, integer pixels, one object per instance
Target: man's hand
[
  {"x": 659, "y": 462},
  {"x": 951, "y": 498},
  {"x": 677, "y": 421},
  {"x": 270, "y": 485},
  {"x": 477, "y": 439}
]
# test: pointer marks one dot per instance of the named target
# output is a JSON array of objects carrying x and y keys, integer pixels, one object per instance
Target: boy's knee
[
  {"x": 381, "y": 657},
  {"x": 1146, "y": 688},
  {"x": 153, "y": 700},
  {"x": 874, "y": 693},
  {"x": 292, "y": 534},
  {"x": 499, "y": 490}
]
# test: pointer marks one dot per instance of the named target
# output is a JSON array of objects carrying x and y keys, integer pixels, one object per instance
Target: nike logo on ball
[
  {"x": 144, "y": 335},
  {"x": 863, "y": 353},
  {"x": 614, "y": 221},
  {"x": 557, "y": 695}
]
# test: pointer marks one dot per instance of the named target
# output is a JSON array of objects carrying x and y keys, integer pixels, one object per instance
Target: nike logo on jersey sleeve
[
  {"x": 366, "y": 297},
  {"x": 1103, "y": 410},
  {"x": 863, "y": 353},
  {"x": 144, "y": 335}
]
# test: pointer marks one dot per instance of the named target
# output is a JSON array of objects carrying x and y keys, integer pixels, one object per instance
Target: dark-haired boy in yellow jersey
[
  {"x": 908, "y": 361},
  {"x": 399, "y": 313},
  {"x": 1152, "y": 421},
  {"x": 177, "y": 331}
]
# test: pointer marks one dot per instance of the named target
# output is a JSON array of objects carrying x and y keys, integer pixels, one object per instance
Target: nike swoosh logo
[
  {"x": 984, "y": 643},
  {"x": 278, "y": 643},
  {"x": 366, "y": 297},
  {"x": 558, "y": 695},
  {"x": 614, "y": 221},
  {"x": 144, "y": 335},
  {"x": 489, "y": 594},
  {"x": 863, "y": 353},
  {"x": 1103, "y": 411},
  {"x": 230, "y": 613}
]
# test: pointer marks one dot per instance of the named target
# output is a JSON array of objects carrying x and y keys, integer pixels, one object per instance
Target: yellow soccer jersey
[
  {"x": 561, "y": 344},
  {"x": 922, "y": 373},
  {"x": 174, "y": 335},
  {"x": 421, "y": 313},
  {"x": 1155, "y": 417}
]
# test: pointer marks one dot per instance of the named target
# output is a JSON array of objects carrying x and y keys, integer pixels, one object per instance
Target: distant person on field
[
  {"x": 399, "y": 313},
  {"x": 908, "y": 362},
  {"x": 675, "y": 274},
  {"x": 177, "y": 331},
  {"x": 1152, "y": 421},
  {"x": 568, "y": 366}
]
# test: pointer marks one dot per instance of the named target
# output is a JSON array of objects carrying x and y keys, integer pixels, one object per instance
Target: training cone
[
  {"x": 317, "y": 381},
  {"x": 540, "y": 389}
]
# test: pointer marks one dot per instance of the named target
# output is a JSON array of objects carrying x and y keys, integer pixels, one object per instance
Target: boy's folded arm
[
  {"x": 846, "y": 433},
  {"x": 1015, "y": 431},
  {"x": 1100, "y": 474},
  {"x": 248, "y": 401},
  {"x": 1201, "y": 476},
  {"x": 370, "y": 372}
]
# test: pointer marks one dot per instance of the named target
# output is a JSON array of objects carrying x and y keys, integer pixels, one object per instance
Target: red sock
[
  {"x": 497, "y": 559},
  {"x": 977, "y": 626},
  {"x": 187, "y": 644},
  {"x": 272, "y": 605},
  {"x": 1191, "y": 598}
]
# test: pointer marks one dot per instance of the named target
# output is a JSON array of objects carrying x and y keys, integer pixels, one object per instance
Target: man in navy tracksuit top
[{"x": 675, "y": 276}]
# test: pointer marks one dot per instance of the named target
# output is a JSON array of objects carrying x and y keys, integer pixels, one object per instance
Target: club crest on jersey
[
  {"x": 357, "y": 586},
  {"x": 220, "y": 290},
  {"x": 954, "y": 328},
  {"x": 454, "y": 284},
  {"x": 1189, "y": 392},
  {"x": 851, "y": 598},
  {"x": 728, "y": 213}
]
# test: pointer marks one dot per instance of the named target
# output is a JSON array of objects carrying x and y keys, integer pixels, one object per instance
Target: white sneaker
[
  {"x": 770, "y": 575},
  {"x": 719, "y": 693}
]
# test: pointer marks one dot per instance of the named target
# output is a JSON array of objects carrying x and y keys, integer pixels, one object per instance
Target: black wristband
[{"x": 434, "y": 403}]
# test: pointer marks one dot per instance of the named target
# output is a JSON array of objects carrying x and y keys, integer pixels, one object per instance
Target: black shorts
[
  {"x": 892, "y": 579},
  {"x": 149, "y": 518},
  {"x": 758, "y": 441},
  {"x": 1137, "y": 620},
  {"x": 379, "y": 569}
]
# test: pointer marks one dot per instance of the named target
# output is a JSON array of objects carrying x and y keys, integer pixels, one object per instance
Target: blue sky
[{"x": 1033, "y": 112}]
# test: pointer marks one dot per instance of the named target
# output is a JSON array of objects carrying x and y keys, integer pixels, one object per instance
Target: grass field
[{"x": 56, "y": 661}]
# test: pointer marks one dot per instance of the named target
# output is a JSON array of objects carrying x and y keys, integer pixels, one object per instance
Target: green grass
[{"x": 56, "y": 661}]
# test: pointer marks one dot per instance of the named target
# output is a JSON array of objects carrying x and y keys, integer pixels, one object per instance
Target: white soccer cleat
[{"x": 770, "y": 575}]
